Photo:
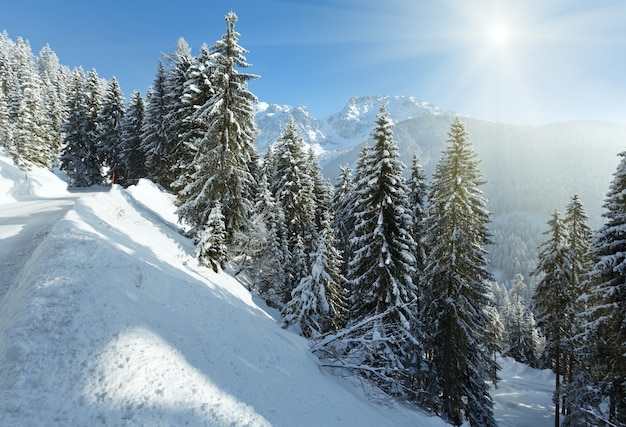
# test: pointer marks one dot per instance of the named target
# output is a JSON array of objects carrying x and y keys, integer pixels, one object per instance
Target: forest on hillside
[{"x": 384, "y": 271}]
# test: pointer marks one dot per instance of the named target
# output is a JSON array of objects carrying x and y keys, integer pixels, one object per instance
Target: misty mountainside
[{"x": 530, "y": 170}]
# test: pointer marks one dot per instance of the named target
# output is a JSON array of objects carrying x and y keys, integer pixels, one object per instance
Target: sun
[{"x": 499, "y": 34}]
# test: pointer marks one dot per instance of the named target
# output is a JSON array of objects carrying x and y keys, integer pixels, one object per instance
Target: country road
[{"x": 23, "y": 226}]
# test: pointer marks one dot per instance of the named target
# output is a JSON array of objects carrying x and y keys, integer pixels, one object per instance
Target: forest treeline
[{"x": 384, "y": 271}]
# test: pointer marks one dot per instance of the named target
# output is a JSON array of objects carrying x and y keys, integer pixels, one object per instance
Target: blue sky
[{"x": 526, "y": 62}]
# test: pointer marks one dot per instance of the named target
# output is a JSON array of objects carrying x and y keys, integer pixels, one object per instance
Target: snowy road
[{"x": 23, "y": 225}]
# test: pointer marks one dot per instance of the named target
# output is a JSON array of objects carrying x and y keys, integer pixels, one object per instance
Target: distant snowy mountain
[{"x": 339, "y": 132}]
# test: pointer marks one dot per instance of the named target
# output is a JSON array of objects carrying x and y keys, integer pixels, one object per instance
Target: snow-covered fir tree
[
  {"x": 382, "y": 263},
  {"x": 605, "y": 326},
  {"x": 176, "y": 119},
  {"x": 322, "y": 190},
  {"x": 210, "y": 240},
  {"x": 580, "y": 241},
  {"x": 94, "y": 88},
  {"x": 29, "y": 143},
  {"x": 580, "y": 238},
  {"x": 342, "y": 206},
  {"x": 5, "y": 83},
  {"x": 292, "y": 187},
  {"x": 54, "y": 78},
  {"x": 418, "y": 196},
  {"x": 155, "y": 140},
  {"x": 522, "y": 340},
  {"x": 225, "y": 152},
  {"x": 456, "y": 292},
  {"x": 109, "y": 129},
  {"x": 554, "y": 299},
  {"x": 195, "y": 111},
  {"x": 318, "y": 303},
  {"x": 266, "y": 255},
  {"x": 79, "y": 158},
  {"x": 130, "y": 153}
]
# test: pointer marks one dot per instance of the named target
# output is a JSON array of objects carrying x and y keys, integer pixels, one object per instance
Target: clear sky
[{"x": 527, "y": 61}]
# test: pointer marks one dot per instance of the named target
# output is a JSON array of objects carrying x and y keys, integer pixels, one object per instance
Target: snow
[
  {"x": 19, "y": 185},
  {"x": 524, "y": 396},
  {"x": 111, "y": 320}
]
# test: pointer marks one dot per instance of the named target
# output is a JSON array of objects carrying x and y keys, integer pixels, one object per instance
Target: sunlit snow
[{"x": 110, "y": 320}]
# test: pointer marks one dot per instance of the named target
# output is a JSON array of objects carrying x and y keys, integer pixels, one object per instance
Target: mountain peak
[{"x": 352, "y": 125}]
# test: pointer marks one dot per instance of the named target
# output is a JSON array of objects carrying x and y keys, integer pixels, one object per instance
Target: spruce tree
[
  {"x": 522, "y": 340},
  {"x": 109, "y": 130},
  {"x": 80, "y": 156},
  {"x": 456, "y": 293},
  {"x": 606, "y": 316},
  {"x": 318, "y": 303},
  {"x": 155, "y": 140},
  {"x": 341, "y": 203},
  {"x": 292, "y": 187},
  {"x": 221, "y": 166},
  {"x": 93, "y": 92},
  {"x": 382, "y": 263},
  {"x": 178, "y": 165},
  {"x": 580, "y": 239},
  {"x": 196, "y": 98},
  {"x": 211, "y": 240},
  {"x": 553, "y": 300},
  {"x": 418, "y": 195},
  {"x": 30, "y": 142},
  {"x": 131, "y": 155},
  {"x": 5, "y": 84},
  {"x": 54, "y": 79},
  {"x": 267, "y": 254}
]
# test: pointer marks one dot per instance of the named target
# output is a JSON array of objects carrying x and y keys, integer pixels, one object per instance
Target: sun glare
[{"x": 499, "y": 34}]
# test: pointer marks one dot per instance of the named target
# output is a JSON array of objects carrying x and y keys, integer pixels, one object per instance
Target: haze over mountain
[{"x": 530, "y": 170}]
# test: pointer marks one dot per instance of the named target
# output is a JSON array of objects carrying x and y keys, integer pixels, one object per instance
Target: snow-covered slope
[
  {"x": 19, "y": 185},
  {"x": 112, "y": 321}
]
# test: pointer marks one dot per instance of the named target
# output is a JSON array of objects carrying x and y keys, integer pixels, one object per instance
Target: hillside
[{"x": 112, "y": 321}]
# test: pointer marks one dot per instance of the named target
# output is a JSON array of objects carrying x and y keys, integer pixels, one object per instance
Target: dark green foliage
[
  {"x": 109, "y": 130},
  {"x": 223, "y": 134},
  {"x": 606, "y": 315},
  {"x": 381, "y": 264},
  {"x": 457, "y": 347},
  {"x": 131, "y": 155},
  {"x": 80, "y": 157}
]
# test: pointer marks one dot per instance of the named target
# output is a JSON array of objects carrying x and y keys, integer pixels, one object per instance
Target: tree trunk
[{"x": 557, "y": 391}]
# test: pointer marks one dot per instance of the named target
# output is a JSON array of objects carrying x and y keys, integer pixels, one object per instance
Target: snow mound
[
  {"x": 114, "y": 322},
  {"x": 16, "y": 184}
]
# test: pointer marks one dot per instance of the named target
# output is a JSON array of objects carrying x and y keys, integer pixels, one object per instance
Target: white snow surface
[
  {"x": 112, "y": 321},
  {"x": 19, "y": 185}
]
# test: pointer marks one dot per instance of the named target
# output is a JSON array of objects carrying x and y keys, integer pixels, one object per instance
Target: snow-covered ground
[{"x": 112, "y": 321}]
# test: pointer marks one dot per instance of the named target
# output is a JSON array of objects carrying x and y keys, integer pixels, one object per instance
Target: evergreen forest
[{"x": 384, "y": 270}]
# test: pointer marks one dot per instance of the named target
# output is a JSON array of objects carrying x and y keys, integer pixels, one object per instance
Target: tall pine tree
[
  {"x": 382, "y": 263},
  {"x": 155, "y": 140},
  {"x": 131, "y": 155},
  {"x": 553, "y": 299},
  {"x": 292, "y": 187},
  {"x": 606, "y": 318},
  {"x": 80, "y": 155},
  {"x": 225, "y": 152},
  {"x": 455, "y": 287}
]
